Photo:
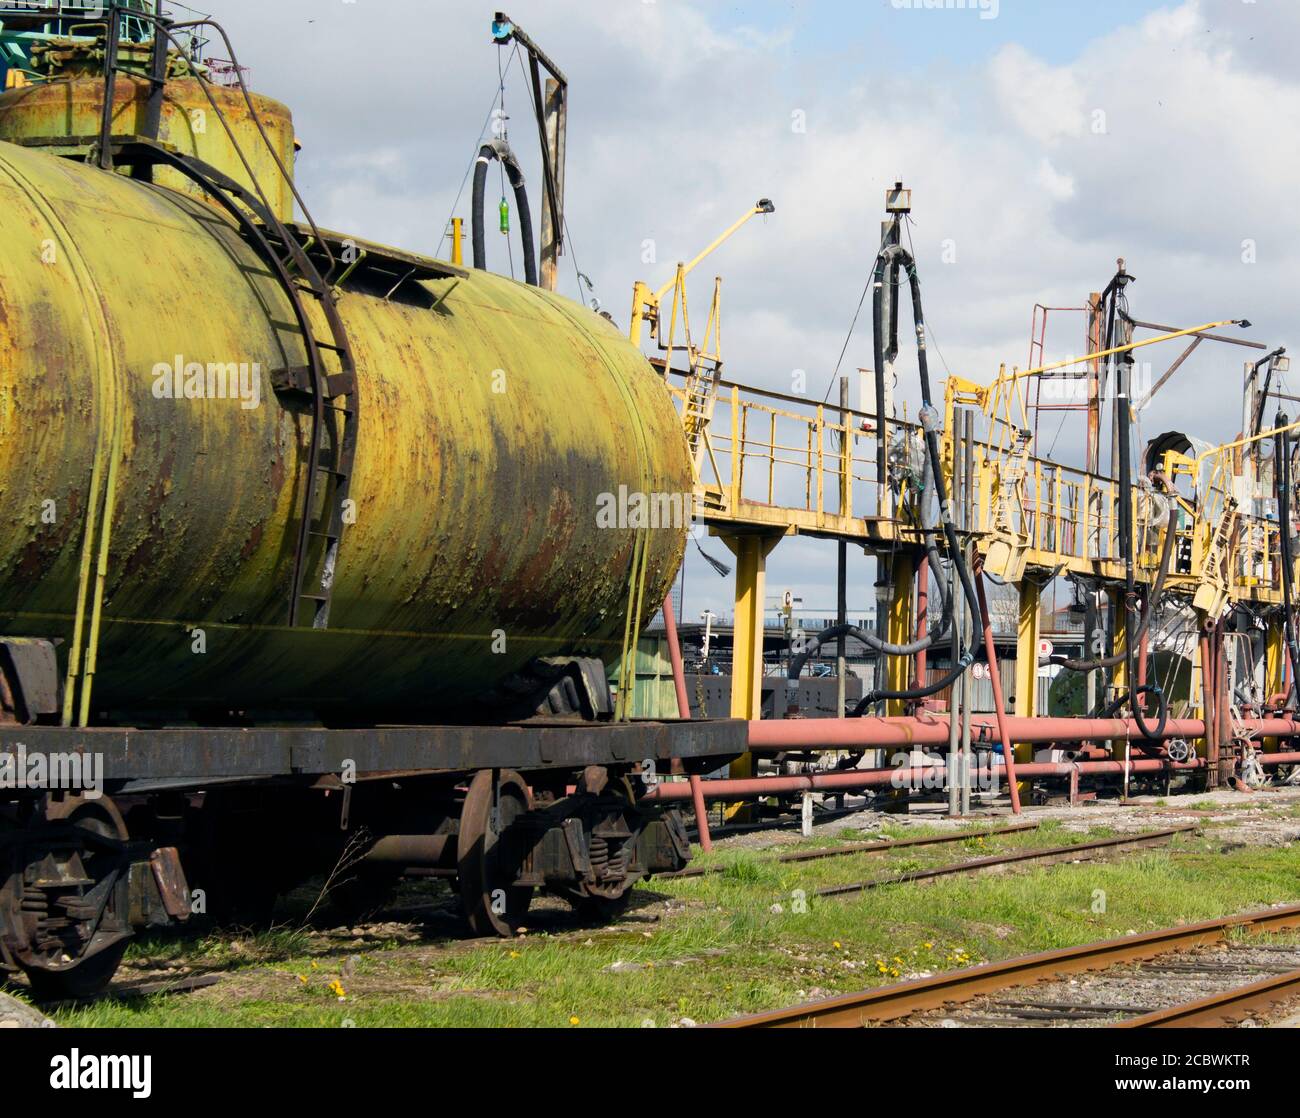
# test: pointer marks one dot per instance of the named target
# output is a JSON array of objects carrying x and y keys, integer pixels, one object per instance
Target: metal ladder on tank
[{"x": 332, "y": 392}]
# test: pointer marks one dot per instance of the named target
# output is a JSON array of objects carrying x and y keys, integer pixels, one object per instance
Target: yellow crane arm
[{"x": 763, "y": 206}]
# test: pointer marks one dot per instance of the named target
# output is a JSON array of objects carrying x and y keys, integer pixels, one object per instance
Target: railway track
[
  {"x": 862, "y": 848},
  {"x": 775, "y": 823},
  {"x": 1150, "y": 980},
  {"x": 1077, "y": 850}
]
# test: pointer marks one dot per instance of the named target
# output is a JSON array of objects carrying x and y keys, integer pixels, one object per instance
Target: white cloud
[
  {"x": 1046, "y": 103},
  {"x": 1058, "y": 186}
]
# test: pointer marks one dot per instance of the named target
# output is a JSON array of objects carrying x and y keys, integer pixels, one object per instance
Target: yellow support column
[
  {"x": 751, "y": 552},
  {"x": 900, "y": 628},
  {"x": 1118, "y": 746},
  {"x": 1028, "y": 633},
  {"x": 1274, "y": 667},
  {"x": 1274, "y": 658},
  {"x": 458, "y": 240}
]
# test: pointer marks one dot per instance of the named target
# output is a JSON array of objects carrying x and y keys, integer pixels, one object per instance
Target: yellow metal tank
[
  {"x": 69, "y": 107},
  {"x": 505, "y": 434}
]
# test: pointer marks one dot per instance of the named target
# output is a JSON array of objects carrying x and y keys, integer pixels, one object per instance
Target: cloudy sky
[{"x": 1042, "y": 141}]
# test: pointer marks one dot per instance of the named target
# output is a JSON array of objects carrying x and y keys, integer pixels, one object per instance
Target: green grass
[
  {"x": 750, "y": 938},
  {"x": 221, "y": 952}
]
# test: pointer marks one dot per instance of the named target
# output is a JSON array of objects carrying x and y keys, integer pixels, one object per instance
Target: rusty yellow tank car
[
  {"x": 493, "y": 417},
  {"x": 310, "y": 549}
]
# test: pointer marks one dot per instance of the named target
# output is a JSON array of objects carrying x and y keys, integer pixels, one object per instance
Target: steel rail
[
  {"x": 860, "y": 848},
  {"x": 1011, "y": 858},
  {"x": 1220, "y": 1009},
  {"x": 889, "y": 1003}
]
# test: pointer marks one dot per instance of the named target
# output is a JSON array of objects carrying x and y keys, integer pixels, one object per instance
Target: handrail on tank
[{"x": 166, "y": 27}]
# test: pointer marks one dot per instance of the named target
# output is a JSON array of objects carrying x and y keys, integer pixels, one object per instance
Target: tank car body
[
  {"x": 162, "y": 416},
  {"x": 492, "y": 418}
]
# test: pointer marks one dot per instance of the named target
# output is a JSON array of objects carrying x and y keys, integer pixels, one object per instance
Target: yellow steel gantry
[{"x": 1030, "y": 518}]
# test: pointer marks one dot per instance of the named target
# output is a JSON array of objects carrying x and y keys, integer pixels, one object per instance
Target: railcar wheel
[
  {"x": 63, "y": 898},
  {"x": 487, "y": 852}
]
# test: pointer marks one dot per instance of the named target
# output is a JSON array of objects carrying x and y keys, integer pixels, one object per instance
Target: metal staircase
[
  {"x": 1213, "y": 592},
  {"x": 701, "y": 396},
  {"x": 1009, "y": 544},
  {"x": 705, "y": 371},
  {"x": 327, "y": 381}
]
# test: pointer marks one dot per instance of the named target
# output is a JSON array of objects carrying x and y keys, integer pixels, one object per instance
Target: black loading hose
[
  {"x": 1127, "y": 548},
  {"x": 1131, "y": 640},
  {"x": 939, "y": 631},
  {"x": 1282, "y": 488},
  {"x": 499, "y": 149},
  {"x": 1121, "y": 378},
  {"x": 1123, "y": 386},
  {"x": 891, "y": 259},
  {"x": 894, "y": 256},
  {"x": 1166, "y": 554}
]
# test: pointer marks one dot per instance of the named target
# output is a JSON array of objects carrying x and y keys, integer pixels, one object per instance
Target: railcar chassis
[{"x": 107, "y": 831}]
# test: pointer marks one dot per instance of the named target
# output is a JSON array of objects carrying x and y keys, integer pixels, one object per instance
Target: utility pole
[
  {"x": 551, "y": 108},
  {"x": 842, "y": 549}
]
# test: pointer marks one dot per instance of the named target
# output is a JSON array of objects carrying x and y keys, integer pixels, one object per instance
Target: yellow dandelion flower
[
  {"x": 836, "y": 945},
  {"x": 573, "y": 1020},
  {"x": 303, "y": 979}
]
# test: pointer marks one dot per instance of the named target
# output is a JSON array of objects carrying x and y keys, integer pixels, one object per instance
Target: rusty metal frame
[{"x": 188, "y": 757}]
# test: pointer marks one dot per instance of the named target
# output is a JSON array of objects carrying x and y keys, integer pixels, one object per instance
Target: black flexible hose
[
  {"x": 1143, "y": 625},
  {"x": 487, "y": 153},
  {"x": 1124, "y": 418},
  {"x": 891, "y": 259},
  {"x": 830, "y": 634},
  {"x": 877, "y": 334},
  {"x": 1162, "y": 705},
  {"x": 936, "y": 634},
  {"x": 1282, "y": 486},
  {"x": 1108, "y": 710},
  {"x": 930, "y": 421},
  {"x": 1121, "y": 379},
  {"x": 871, "y": 698},
  {"x": 871, "y": 640},
  {"x": 1267, "y": 360}
]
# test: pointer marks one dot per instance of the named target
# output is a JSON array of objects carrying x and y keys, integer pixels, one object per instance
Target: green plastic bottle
[{"x": 505, "y": 215}]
